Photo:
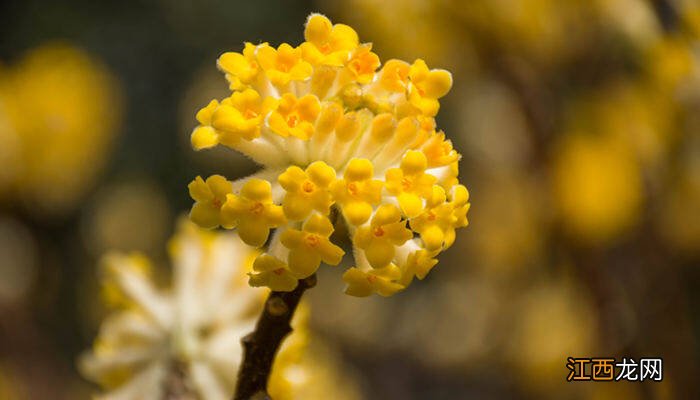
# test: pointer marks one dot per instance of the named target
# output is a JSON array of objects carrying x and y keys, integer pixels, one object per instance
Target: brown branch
[{"x": 260, "y": 346}]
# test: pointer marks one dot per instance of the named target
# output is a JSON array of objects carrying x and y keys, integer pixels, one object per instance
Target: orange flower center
[
  {"x": 313, "y": 240},
  {"x": 278, "y": 271},
  {"x": 248, "y": 114},
  {"x": 308, "y": 187},
  {"x": 352, "y": 188},
  {"x": 406, "y": 183},
  {"x": 292, "y": 120},
  {"x": 257, "y": 208},
  {"x": 378, "y": 231}
]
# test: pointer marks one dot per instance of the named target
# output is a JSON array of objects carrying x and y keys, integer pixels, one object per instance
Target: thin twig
[{"x": 260, "y": 346}]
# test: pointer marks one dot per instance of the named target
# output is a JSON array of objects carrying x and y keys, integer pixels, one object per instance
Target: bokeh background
[{"x": 579, "y": 125}]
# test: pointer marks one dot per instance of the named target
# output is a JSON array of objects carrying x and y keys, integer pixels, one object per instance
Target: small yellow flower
[
  {"x": 394, "y": 76},
  {"x": 357, "y": 192},
  {"x": 307, "y": 190},
  {"x": 273, "y": 273},
  {"x": 284, "y": 64},
  {"x": 252, "y": 212},
  {"x": 438, "y": 151},
  {"x": 327, "y": 43},
  {"x": 239, "y": 116},
  {"x": 309, "y": 246},
  {"x": 418, "y": 264},
  {"x": 209, "y": 197},
  {"x": 295, "y": 117},
  {"x": 409, "y": 183},
  {"x": 362, "y": 64},
  {"x": 437, "y": 224},
  {"x": 380, "y": 238},
  {"x": 242, "y": 114},
  {"x": 427, "y": 86},
  {"x": 205, "y": 136},
  {"x": 381, "y": 281},
  {"x": 240, "y": 69},
  {"x": 460, "y": 199}
]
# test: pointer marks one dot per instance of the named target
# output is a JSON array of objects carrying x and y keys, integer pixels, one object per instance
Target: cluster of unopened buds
[{"x": 343, "y": 143}]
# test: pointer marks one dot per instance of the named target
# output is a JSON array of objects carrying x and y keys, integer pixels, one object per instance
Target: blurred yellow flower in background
[
  {"x": 59, "y": 111},
  {"x": 113, "y": 219},
  {"x": 410, "y": 24},
  {"x": 555, "y": 320},
  {"x": 597, "y": 186}
]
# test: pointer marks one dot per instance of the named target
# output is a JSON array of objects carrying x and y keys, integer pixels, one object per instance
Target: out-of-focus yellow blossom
[
  {"x": 540, "y": 30},
  {"x": 555, "y": 320},
  {"x": 191, "y": 331},
  {"x": 635, "y": 115},
  {"x": 597, "y": 186},
  {"x": 319, "y": 374},
  {"x": 409, "y": 29},
  {"x": 337, "y": 138},
  {"x": 113, "y": 221},
  {"x": 511, "y": 239},
  {"x": 670, "y": 62},
  {"x": 56, "y": 121}
]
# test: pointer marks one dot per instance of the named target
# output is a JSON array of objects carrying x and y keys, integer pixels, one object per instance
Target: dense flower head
[{"x": 342, "y": 139}]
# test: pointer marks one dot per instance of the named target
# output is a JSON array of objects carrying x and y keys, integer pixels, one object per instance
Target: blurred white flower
[{"x": 191, "y": 332}]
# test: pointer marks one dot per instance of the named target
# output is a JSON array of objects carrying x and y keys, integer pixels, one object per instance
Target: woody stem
[{"x": 260, "y": 346}]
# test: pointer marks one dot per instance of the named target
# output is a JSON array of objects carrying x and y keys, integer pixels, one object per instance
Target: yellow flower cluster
[{"x": 339, "y": 138}]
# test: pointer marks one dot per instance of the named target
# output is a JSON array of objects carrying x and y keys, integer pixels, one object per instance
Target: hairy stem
[{"x": 261, "y": 345}]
